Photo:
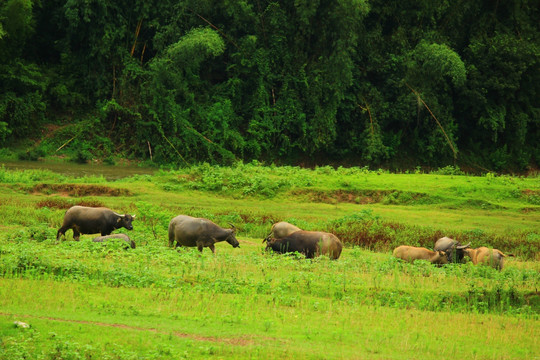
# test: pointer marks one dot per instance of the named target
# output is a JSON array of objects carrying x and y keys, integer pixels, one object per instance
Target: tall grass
[{"x": 359, "y": 277}]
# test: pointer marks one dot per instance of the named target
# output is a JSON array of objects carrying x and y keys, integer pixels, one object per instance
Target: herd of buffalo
[{"x": 284, "y": 237}]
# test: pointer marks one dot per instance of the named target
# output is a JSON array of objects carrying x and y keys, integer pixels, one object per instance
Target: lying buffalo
[
  {"x": 452, "y": 248},
  {"x": 486, "y": 256},
  {"x": 89, "y": 220},
  {"x": 411, "y": 253},
  {"x": 281, "y": 229},
  {"x": 122, "y": 237},
  {"x": 189, "y": 231},
  {"x": 309, "y": 243}
]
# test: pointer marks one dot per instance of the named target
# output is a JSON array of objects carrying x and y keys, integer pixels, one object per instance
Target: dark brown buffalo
[
  {"x": 309, "y": 243},
  {"x": 189, "y": 231},
  {"x": 122, "y": 237},
  {"x": 89, "y": 220},
  {"x": 452, "y": 248}
]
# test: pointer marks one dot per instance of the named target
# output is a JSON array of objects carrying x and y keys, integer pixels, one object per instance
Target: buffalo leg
[
  {"x": 212, "y": 248},
  {"x": 61, "y": 231},
  {"x": 171, "y": 240},
  {"x": 200, "y": 247},
  {"x": 76, "y": 235}
]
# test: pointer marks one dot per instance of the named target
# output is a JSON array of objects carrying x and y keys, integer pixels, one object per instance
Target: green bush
[{"x": 32, "y": 154}]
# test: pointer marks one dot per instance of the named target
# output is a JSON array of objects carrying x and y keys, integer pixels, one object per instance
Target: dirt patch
[
  {"x": 387, "y": 197},
  {"x": 346, "y": 196},
  {"x": 248, "y": 242},
  {"x": 241, "y": 341},
  {"x": 252, "y": 218},
  {"x": 60, "y": 203},
  {"x": 79, "y": 190},
  {"x": 529, "y": 192},
  {"x": 183, "y": 178},
  {"x": 262, "y": 219},
  {"x": 532, "y": 196}
]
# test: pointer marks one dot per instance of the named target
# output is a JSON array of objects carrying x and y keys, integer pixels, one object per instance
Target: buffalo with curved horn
[
  {"x": 188, "y": 231},
  {"x": 452, "y": 248},
  {"x": 280, "y": 230},
  {"x": 89, "y": 220}
]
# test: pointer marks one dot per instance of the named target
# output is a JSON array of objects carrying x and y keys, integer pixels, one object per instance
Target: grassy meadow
[{"x": 88, "y": 300}]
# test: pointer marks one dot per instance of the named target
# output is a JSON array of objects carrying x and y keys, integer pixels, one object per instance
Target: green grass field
[{"x": 88, "y": 300}]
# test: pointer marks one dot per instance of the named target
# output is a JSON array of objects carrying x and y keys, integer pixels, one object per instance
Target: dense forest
[{"x": 360, "y": 82}]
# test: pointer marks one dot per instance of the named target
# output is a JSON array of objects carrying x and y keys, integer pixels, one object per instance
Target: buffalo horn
[
  {"x": 233, "y": 227},
  {"x": 133, "y": 216},
  {"x": 463, "y": 246},
  {"x": 267, "y": 237}
]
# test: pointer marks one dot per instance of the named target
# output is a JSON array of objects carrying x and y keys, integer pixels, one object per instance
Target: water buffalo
[
  {"x": 89, "y": 220},
  {"x": 309, "y": 243},
  {"x": 122, "y": 237},
  {"x": 453, "y": 248},
  {"x": 411, "y": 253},
  {"x": 281, "y": 229},
  {"x": 486, "y": 256},
  {"x": 189, "y": 231}
]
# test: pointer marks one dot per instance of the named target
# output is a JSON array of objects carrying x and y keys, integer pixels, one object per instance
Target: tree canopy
[{"x": 364, "y": 82}]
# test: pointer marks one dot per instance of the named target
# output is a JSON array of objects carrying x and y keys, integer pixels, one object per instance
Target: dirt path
[{"x": 242, "y": 341}]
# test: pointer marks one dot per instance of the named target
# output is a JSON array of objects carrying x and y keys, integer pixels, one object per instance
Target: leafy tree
[
  {"x": 21, "y": 82},
  {"x": 395, "y": 83},
  {"x": 174, "y": 80},
  {"x": 438, "y": 71}
]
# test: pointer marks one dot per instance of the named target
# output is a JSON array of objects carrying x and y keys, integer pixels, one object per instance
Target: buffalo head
[
  {"x": 125, "y": 221},
  {"x": 232, "y": 237}
]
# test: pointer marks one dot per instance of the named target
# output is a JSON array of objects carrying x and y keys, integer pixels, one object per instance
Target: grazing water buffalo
[
  {"x": 411, "y": 253},
  {"x": 122, "y": 237},
  {"x": 309, "y": 243},
  {"x": 89, "y": 220},
  {"x": 486, "y": 256},
  {"x": 281, "y": 229},
  {"x": 453, "y": 248},
  {"x": 189, "y": 231}
]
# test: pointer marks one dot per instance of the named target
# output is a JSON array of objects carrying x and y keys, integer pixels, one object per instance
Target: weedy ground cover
[{"x": 92, "y": 300}]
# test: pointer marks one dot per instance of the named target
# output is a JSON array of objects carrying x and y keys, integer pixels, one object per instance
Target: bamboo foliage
[{"x": 278, "y": 81}]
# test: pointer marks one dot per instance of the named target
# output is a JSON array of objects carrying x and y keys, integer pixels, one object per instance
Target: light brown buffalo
[
  {"x": 486, "y": 256},
  {"x": 411, "y": 253}
]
